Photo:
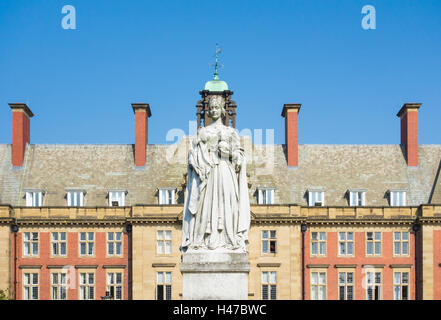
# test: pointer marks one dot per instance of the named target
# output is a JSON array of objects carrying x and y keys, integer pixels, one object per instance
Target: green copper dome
[{"x": 216, "y": 84}]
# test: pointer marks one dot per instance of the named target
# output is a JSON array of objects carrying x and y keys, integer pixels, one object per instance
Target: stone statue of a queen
[{"x": 216, "y": 210}]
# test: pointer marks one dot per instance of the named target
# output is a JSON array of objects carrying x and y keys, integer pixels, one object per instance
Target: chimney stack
[
  {"x": 21, "y": 131},
  {"x": 142, "y": 113},
  {"x": 291, "y": 113},
  {"x": 409, "y": 132}
]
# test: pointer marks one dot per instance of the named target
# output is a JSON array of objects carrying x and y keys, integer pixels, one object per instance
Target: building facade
[{"x": 327, "y": 221}]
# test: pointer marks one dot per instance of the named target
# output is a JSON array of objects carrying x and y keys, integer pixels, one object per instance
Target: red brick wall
[
  {"x": 409, "y": 137},
  {"x": 72, "y": 259},
  {"x": 141, "y": 137},
  {"x": 412, "y": 139},
  {"x": 292, "y": 138},
  {"x": 360, "y": 259},
  {"x": 20, "y": 135}
]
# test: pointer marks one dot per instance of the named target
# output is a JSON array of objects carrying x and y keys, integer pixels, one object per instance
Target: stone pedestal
[{"x": 215, "y": 275}]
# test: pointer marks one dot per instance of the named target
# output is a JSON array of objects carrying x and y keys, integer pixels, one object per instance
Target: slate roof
[
  {"x": 335, "y": 168},
  {"x": 435, "y": 197}
]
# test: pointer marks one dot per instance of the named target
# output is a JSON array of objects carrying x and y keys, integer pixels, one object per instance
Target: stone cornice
[
  {"x": 259, "y": 219},
  {"x": 353, "y": 221},
  {"x": 6, "y": 220},
  {"x": 155, "y": 219},
  {"x": 276, "y": 219},
  {"x": 430, "y": 220},
  {"x": 260, "y": 214},
  {"x": 21, "y": 107}
]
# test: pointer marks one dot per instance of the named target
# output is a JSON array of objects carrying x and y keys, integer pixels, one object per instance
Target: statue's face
[{"x": 214, "y": 110}]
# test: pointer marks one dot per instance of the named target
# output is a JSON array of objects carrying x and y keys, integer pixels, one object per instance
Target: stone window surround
[
  {"x": 358, "y": 191},
  {"x": 315, "y": 191},
  {"x": 162, "y": 201},
  {"x": 262, "y": 195},
  {"x": 30, "y": 201},
  {"x": 392, "y": 192},
  {"x": 69, "y": 198},
  {"x": 123, "y": 194}
]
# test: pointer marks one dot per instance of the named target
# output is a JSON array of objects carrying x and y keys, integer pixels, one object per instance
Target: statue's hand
[
  {"x": 224, "y": 150},
  {"x": 237, "y": 161},
  {"x": 237, "y": 165},
  {"x": 224, "y": 147}
]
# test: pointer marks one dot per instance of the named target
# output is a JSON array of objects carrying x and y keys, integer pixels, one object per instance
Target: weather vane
[{"x": 217, "y": 64}]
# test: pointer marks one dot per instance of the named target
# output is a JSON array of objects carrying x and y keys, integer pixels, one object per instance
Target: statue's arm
[
  {"x": 195, "y": 159},
  {"x": 238, "y": 154}
]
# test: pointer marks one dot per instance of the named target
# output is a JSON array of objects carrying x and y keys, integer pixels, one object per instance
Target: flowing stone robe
[{"x": 216, "y": 209}]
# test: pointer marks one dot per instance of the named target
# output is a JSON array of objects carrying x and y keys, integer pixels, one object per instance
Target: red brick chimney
[
  {"x": 142, "y": 113},
  {"x": 409, "y": 132},
  {"x": 291, "y": 113},
  {"x": 21, "y": 131}
]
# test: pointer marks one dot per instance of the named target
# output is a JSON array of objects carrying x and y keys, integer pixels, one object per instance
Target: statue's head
[{"x": 216, "y": 107}]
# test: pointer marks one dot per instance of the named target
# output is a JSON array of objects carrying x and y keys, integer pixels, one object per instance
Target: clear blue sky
[{"x": 351, "y": 82}]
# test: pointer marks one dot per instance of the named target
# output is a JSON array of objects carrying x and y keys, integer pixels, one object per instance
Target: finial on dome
[
  {"x": 218, "y": 51},
  {"x": 216, "y": 85}
]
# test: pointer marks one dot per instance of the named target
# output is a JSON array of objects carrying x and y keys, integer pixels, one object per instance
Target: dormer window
[
  {"x": 75, "y": 198},
  {"x": 357, "y": 198},
  {"x": 316, "y": 197},
  {"x": 117, "y": 198},
  {"x": 265, "y": 195},
  {"x": 34, "y": 198},
  {"x": 166, "y": 196},
  {"x": 397, "y": 198}
]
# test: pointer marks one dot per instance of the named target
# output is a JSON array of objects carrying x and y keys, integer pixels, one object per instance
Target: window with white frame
[
  {"x": 269, "y": 285},
  {"x": 318, "y": 243},
  {"x": 163, "y": 286},
  {"x": 373, "y": 243},
  {"x": 373, "y": 285},
  {"x": 163, "y": 241},
  {"x": 34, "y": 198},
  {"x": 114, "y": 285},
  {"x": 114, "y": 243},
  {"x": 75, "y": 198},
  {"x": 30, "y": 244},
  {"x": 87, "y": 243},
  {"x": 166, "y": 196},
  {"x": 265, "y": 196},
  {"x": 397, "y": 198},
  {"x": 316, "y": 198},
  {"x": 346, "y": 285},
  {"x": 87, "y": 286},
  {"x": 401, "y": 243},
  {"x": 269, "y": 241},
  {"x": 58, "y": 243},
  {"x": 59, "y": 286},
  {"x": 117, "y": 198},
  {"x": 30, "y": 286},
  {"x": 357, "y": 198},
  {"x": 401, "y": 285},
  {"x": 318, "y": 285},
  {"x": 345, "y": 243}
]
